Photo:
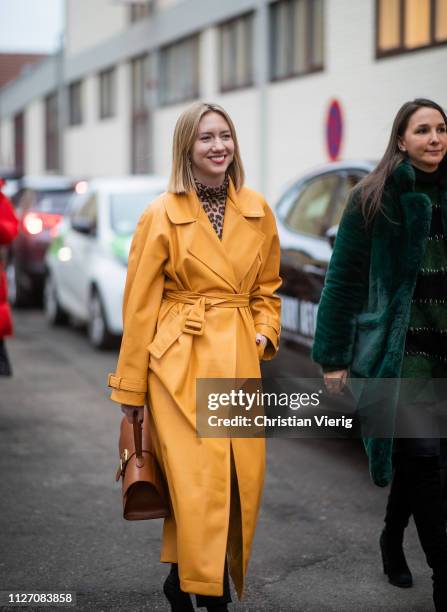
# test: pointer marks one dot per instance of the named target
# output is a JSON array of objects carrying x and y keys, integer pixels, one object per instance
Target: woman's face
[
  {"x": 213, "y": 150},
  {"x": 425, "y": 139}
]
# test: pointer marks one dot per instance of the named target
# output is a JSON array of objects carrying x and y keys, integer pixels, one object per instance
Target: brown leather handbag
[{"x": 144, "y": 489}]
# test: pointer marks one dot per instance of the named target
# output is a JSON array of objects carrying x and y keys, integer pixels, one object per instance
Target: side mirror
[
  {"x": 83, "y": 225},
  {"x": 331, "y": 234}
]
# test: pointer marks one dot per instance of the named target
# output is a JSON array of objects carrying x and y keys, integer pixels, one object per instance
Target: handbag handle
[{"x": 138, "y": 440}]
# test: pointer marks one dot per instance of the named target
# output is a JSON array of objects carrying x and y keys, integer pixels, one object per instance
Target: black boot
[
  {"x": 394, "y": 562},
  {"x": 398, "y": 512},
  {"x": 179, "y": 600},
  {"x": 440, "y": 589},
  {"x": 423, "y": 477}
]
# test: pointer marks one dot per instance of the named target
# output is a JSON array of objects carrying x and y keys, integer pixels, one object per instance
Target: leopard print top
[{"x": 213, "y": 201}]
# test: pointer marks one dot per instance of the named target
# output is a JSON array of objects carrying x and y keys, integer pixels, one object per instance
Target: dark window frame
[
  {"x": 75, "y": 114},
  {"x": 401, "y": 49},
  {"x": 107, "y": 105},
  {"x": 19, "y": 141},
  {"x": 140, "y": 119},
  {"x": 311, "y": 68},
  {"x": 52, "y": 161},
  {"x": 249, "y": 18},
  {"x": 140, "y": 10},
  {"x": 163, "y": 100}
]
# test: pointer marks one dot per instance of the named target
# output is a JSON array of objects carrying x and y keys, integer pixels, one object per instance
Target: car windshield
[
  {"x": 52, "y": 201},
  {"x": 126, "y": 209}
]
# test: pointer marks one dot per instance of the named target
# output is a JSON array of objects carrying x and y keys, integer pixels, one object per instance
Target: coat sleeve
[
  {"x": 265, "y": 305},
  {"x": 142, "y": 299},
  {"x": 345, "y": 291},
  {"x": 9, "y": 225}
]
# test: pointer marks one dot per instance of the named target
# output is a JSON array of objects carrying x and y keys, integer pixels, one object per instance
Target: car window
[
  {"x": 53, "y": 201},
  {"x": 86, "y": 208},
  {"x": 49, "y": 201},
  {"x": 126, "y": 209},
  {"x": 342, "y": 195},
  {"x": 310, "y": 212}
]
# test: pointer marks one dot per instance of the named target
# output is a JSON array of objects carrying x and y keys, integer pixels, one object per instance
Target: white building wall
[
  {"x": 101, "y": 147},
  {"x": 90, "y": 22},
  {"x": 7, "y": 142},
  {"x": 34, "y": 122}
]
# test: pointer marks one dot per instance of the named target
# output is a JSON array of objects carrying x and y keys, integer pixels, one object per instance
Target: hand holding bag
[{"x": 144, "y": 489}]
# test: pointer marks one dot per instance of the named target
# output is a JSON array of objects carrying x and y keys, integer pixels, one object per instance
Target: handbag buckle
[{"x": 124, "y": 458}]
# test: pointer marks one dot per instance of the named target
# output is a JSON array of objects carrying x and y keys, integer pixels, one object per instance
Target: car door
[
  {"x": 305, "y": 254},
  {"x": 81, "y": 240}
]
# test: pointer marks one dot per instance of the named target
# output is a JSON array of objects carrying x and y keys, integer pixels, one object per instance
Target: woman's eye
[
  {"x": 443, "y": 129},
  {"x": 205, "y": 138}
]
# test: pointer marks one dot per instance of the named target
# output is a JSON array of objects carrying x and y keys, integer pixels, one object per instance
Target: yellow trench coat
[{"x": 176, "y": 249}]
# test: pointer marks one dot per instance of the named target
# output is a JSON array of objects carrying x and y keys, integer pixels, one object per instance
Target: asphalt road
[{"x": 316, "y": 547}]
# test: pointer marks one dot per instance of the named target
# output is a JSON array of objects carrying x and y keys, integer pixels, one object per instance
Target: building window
[
  {"x": 52, "y": 132},
  {"x": 140, "y": 10},
  {"x": 179, "y": 71},
  {"x": 19, "y": 142},
  {"x": 75, "y": 103},
  {"x": 407, "y": 25},
  {"x": 107, "y": 93},
  {"x": 297, "y": 37},
  {"x": 140, "y": 118},
  {"x": 236, "y": 53}
]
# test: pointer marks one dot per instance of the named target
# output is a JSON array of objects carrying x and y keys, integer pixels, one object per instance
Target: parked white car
[{"x": 87, "y": 261}]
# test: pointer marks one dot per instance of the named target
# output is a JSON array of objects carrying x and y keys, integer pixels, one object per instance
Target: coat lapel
[
  {"x": 240, "y": 239},
  {"x": 231, "y": 257}
]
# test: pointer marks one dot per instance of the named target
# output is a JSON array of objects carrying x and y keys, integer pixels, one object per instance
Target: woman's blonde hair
[{"x": 182, "y": 178}]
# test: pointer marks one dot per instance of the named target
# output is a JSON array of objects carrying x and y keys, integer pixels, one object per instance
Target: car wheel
[
  {"x": 17, "y": 296},
  {"x": 98, "y": 331},
  {"x": 54, "y": 312}
]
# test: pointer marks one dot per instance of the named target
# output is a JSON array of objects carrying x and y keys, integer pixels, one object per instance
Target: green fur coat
[{"x": 365, "y": 305}]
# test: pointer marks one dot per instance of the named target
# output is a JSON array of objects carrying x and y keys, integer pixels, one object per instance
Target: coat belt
[{"x": 193, "y": 321}]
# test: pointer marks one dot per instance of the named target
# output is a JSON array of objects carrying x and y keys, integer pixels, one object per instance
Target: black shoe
[
  {"x": 394, "y": 562},
  {"x": 179, "y": 600}
]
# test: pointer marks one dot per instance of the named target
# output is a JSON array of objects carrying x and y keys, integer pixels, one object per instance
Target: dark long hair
[{"x": 371, "y": 187}]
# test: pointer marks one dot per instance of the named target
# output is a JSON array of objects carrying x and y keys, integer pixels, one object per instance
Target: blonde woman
[{"x": 200, "y": 303}]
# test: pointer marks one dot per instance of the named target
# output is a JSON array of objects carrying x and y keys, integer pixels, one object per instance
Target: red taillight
[{"x": 35, "y": 223}]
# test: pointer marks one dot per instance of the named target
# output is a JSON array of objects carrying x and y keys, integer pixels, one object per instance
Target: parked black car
[
  {"x": 308, "y": 215},
  {"x": 40, "y": 204}
]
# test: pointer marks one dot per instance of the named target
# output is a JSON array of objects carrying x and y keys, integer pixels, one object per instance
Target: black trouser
[
  {"x": 416, "y": 489},
  {"x": 5, "y": 364}
]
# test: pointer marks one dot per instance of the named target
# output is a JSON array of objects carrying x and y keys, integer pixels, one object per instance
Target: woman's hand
[
  {"x": 335, "y": 381},
  {"x": 261, "y": 343},
  {"x": 130, "y": 410}
]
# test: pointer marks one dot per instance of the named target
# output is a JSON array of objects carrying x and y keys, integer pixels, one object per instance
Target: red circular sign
[{"x": 334, "y": 130}]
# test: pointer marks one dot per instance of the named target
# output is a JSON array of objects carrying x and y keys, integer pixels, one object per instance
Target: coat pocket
[{"x": 369, "y": 345}]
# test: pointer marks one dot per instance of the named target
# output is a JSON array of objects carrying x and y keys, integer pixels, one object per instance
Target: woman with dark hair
[{"x": 383, "y": 314}]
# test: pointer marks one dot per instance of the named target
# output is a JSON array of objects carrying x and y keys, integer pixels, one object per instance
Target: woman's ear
[{"x": 401, "y": 145}]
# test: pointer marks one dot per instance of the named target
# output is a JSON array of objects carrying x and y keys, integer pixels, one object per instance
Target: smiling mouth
[{"x": 217, "y": 159}]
